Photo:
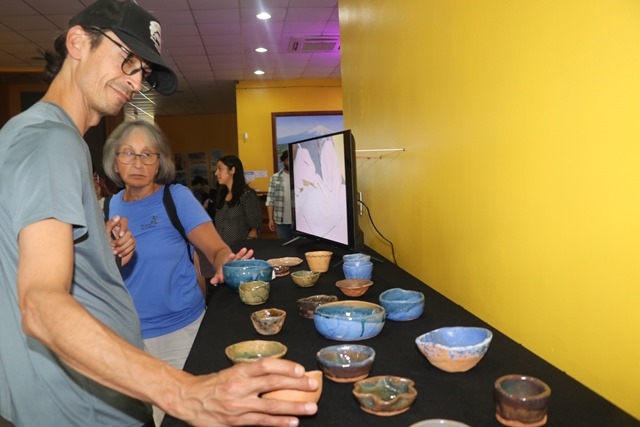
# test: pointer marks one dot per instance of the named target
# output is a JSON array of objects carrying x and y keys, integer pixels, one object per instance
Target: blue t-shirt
[{"x": 160, "y": 276}]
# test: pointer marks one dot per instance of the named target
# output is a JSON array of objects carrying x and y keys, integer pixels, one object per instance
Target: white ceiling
[{"x": 209, "y": 43}]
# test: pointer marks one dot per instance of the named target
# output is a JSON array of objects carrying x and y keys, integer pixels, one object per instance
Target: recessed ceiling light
[
  {"x": 263, "y": 15},
  {"x": 258, "y": 72},
  {"x": 261, "y": 50}
]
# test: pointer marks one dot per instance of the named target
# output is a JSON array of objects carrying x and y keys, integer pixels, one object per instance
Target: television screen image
[{"x": 324, "y": 189}]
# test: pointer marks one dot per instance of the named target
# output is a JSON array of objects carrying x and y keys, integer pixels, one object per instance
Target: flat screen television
[{"x": 324, "y": 190}]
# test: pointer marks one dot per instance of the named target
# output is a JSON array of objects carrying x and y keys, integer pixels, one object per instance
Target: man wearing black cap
[{"x": 70, "y": 336}]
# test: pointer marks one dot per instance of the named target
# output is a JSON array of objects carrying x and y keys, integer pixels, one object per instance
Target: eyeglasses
[
  {"x": 129, "y": 157},
  {"x": 133, "y": 64}
]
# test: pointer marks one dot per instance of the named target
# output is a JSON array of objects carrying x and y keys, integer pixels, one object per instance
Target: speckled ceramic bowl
[
  {"x": 346, "y": 363},
  {"x": 349, "y": 320},
  {"x": 307, "y": 306},
  {"x": 402, "y": 304},
  {"x": 385, "y": 395},
  {"x": 246, "y": 270},
  {"x": 268, "y": 321},
  {"x": 455, "y": 349},
  {"x": 521, "y": 400},
  {"x": 254, "y": 293},
  {"x": 305, "y": 278},
  {"x": 250, "y": 351}
]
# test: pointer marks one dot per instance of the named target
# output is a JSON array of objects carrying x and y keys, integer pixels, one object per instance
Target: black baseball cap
[{"x": 138, "y": 29}]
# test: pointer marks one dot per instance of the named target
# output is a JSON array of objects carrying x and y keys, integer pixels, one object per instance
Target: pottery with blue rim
[
  {"x": 349, "y": 320},
  {"x": 246, "y": 270},
  {"x": 356, "y": 257},
  {"x": 402, "y": 304},
  {"x": 455, "y": 348},
  {"x": 346, "y": 363}
]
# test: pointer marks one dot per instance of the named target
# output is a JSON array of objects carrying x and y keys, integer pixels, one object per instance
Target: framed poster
[{"x": 296, "y": 126}]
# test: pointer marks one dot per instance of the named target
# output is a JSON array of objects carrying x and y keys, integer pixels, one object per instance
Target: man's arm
[{"x": 51, "y": 315}]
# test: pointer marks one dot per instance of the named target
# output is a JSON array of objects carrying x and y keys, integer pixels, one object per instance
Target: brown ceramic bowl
[
  {"x": 354, "y": 287},
  {"x": 268, "y": 321},
  {"x": 307, "y": 306},
  {"x": 297, "y": 395},
  {"x": 521, "y": 401}
]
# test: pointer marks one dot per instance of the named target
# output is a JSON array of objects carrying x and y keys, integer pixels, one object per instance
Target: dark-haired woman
[{"x": 238, "y": 215}]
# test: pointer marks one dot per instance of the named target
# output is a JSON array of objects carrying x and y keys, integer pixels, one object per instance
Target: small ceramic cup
[
  {"x": 268, "y": 321},
  {"x": 254, "y": 293},
  {"x": 357, "y": 269},
  {"x": 521, "y": 401}
]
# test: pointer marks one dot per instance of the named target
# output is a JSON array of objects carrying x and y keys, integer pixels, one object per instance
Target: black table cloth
[{"x": 465, "y": 397}]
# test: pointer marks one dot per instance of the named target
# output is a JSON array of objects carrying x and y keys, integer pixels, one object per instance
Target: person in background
[
  {"x": 279, "y": 200},
  {"x": 70, "y": 341},
  {"x": 161, "y": 278},
  {"x": 238, "y": 215},
  {"x": 102, "y": 191}
]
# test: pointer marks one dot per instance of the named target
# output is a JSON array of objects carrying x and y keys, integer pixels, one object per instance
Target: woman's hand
[
  {"x": 243, "y": 253},
  {"x": 122, "y": 241}
]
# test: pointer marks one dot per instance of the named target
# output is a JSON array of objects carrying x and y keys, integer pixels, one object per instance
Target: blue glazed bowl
[
  {"x": 346, "y": 363},
  {"x": 356, "y": 257},
  {"x": 402, "y": 304},
  {"x": 246, "y": 270},
  {"x": 455, "y": 348},
  {"x": 349, "y": 320},
  {"x": 357, "y": 269}
]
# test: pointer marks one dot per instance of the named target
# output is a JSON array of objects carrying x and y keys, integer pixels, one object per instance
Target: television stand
[{"x": 292, "y": 240}]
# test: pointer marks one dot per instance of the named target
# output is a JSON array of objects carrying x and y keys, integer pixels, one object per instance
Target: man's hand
[
  {"x": 241, "y": 254},
  {"x": 232, "y": 396},
  {"x": 122, "y": 241}
]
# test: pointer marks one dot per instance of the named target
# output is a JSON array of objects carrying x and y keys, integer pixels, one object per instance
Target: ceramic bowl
[
  {"x": 254, "y": 293},
  {"x": 297, "y": 395},
  {"x": 354, "y": 287},
  {"x": 456, "y": 348},
  {"x": 318, "y": 260},
  {"x": 356, "y": 257},
  {"x": 402, "y": 304},
  {"x": 246, "y": 270},
  {"x": 307, "y": 306},
  {"x": 349, "y": 320},
  {"x": 521, "y": 401},
  {"x": 305, "y": 278},
  {"x": 385, "y": 395},
  {"x": 439, "y": 423},
  {"x": 250, "y": 351},
  {"x": 280, "y": 270},
  {"x": 268, "y": 321},
  {"x": 357, "y": 269},
  {"x": 346, "y": 363}
]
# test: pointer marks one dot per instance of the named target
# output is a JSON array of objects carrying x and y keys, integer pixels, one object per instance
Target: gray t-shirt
[{"x": 45, "y": 172}]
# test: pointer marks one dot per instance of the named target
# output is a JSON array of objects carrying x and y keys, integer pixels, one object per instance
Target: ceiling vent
[{"x": 314, "y": 44}]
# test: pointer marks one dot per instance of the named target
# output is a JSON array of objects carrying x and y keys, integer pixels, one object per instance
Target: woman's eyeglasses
[
  {"x": 128, "y": 157},
  {"x": 133, "y": 64}
]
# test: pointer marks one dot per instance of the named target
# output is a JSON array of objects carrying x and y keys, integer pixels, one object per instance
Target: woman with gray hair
[{"x": 160, "y": 277}]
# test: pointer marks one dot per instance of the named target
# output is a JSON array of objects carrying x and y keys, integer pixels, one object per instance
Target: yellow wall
[
  {"x": 200, "y": 133},
  {"x": 256, "y": 100},
  {"x": 518, "y": 194}
]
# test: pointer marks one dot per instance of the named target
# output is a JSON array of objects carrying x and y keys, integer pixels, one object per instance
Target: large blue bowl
[
  {"x": 402, "y": 304},
  {"x": 349, "y": 320},
  {"x": 246, "y": 270}
]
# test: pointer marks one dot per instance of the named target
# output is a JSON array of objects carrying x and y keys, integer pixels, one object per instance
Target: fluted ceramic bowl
[
  {"x": 456, "y": 348},
  {"x": 349, "y": 320},
  {"x": 246, "y": 270},
  {"x": 346, "y": 363},
  {"x": 402, "y": 304},
  {"x": 385, "y": 395}
]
